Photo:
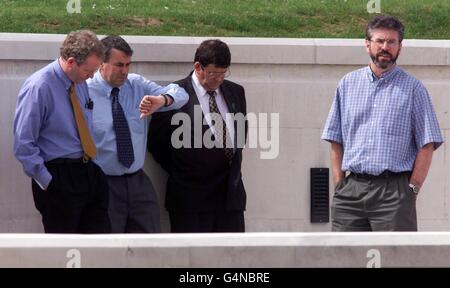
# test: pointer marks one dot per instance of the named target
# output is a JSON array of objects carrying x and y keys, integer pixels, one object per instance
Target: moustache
[{"x": 384, "y": 53}]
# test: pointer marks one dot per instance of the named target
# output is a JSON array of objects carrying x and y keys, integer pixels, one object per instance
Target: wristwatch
[
  {"x": 166, "y": 99},
  {"x": 414, "y": 188}
]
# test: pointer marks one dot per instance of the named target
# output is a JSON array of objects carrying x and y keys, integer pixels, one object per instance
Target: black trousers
[
  {"x": 207, "y": 222},
  {"x": 76, "y": 200}
]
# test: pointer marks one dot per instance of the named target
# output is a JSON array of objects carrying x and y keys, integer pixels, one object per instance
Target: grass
[{"x": 424, "y": 19}]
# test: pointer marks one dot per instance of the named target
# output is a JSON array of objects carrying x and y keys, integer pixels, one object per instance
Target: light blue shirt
[
  {"x": 381, "y": 122},
  {"x": 44, "y": 124},
  {"x": 130, "y": 96}
]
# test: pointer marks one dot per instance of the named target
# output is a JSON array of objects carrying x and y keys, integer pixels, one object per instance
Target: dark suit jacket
[{"x": 200, "y": 179}]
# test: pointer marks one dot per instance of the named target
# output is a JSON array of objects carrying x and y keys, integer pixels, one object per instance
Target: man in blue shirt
[
  {"x": 52, "y": 140},
  {"x": 383, "y": 130},
  {"x": 133, "y": 203}
]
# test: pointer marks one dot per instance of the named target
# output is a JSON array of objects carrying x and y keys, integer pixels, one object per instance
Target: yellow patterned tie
[{"x": 85, "y": 137}]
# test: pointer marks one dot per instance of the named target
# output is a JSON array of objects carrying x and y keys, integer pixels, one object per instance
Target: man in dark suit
[{"x": 204, "y": 191}]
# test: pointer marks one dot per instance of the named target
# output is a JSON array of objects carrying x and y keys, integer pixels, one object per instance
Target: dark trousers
[
  {"x": 374, "y": 203},
  {"x": 133, "y": 205},
  {"x": 207, "y": 222},
  {"x": 76, "y": 200}
]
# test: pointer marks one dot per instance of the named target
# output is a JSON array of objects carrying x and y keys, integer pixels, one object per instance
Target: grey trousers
[
  {"x": 374, "y": 203},
  {"x": 133, "y": 205}
]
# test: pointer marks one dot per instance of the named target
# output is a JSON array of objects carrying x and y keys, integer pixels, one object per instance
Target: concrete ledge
[
  {"x": 17, "y": 46},
  {"x": 252, "y": 250}
]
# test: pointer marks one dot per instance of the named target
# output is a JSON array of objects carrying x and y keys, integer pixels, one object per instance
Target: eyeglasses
[
  {"x": 211, "y": 74},
  {"x": 389, "y": 43}
]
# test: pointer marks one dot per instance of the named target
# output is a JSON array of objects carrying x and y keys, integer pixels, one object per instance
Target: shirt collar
[
  {"x": 385, "y": 76},
  {"x": 199, "y": 87},
  {"x": 105, "y": 85},
  {"x": 61, "y": 75}
]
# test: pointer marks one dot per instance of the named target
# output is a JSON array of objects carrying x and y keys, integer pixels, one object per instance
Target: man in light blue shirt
[
  {"x": 383, "y": 130},
  {"x": 69, "y": 190},
  {"x": 133, "y": 204}
]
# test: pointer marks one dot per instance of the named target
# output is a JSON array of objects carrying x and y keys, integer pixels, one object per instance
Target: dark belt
[
  {"x": 385, "y": 174},
  {"x": 126, "y": 174},
  {"x": 67, "y": 161}
]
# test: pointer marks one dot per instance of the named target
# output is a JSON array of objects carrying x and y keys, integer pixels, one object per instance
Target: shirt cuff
[
  {"x": 40, "y": 185},
  {"x": 43, "y": 179},
  {"x": 330, "y": 136}
]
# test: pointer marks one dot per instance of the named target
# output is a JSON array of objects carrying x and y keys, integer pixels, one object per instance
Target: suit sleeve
[
  {"x": 244, "y": 110},
  {"x": 158, "y": 142}
]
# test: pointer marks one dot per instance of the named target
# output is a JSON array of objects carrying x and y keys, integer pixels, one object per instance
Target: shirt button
[{"x": 374, "y": 105}]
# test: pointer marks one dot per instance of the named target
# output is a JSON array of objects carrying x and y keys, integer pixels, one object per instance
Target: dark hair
[
  {"x": 80, "y": 45},
  {"x": 214, "y": 52},
  {"x": 385, "y": 22},
  {"x": 116, "y": 42}
]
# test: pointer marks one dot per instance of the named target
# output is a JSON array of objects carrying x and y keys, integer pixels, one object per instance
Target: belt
[
  {"x": 67, "y": 161},
  {"x": 384, "y": 174},
  {"x": 126, "y": 174}
]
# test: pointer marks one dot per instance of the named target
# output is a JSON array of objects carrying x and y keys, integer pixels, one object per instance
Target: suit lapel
[
  {"x": 228, "y": 95},
  {"x": 232, "y": 104},
  {"x": 193, "y": 100},
  {"x": 229, "y": 98}
]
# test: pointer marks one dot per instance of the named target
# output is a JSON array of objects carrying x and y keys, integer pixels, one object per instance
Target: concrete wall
[
  {"x": 293, "y": 77},
  {"x": 228, "y": 250}
]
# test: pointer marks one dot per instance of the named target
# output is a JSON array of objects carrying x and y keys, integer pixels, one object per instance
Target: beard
[{"x": 382, "y": 63}]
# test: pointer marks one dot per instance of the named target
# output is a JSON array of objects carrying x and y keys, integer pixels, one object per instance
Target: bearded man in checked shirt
[{"x": 383, "y": 132}]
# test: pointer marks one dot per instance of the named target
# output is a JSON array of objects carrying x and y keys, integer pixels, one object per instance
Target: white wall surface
[{"x": 293, "y": 77}]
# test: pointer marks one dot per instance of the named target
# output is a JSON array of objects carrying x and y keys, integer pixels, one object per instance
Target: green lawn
[{"x": 424, "y": 19}]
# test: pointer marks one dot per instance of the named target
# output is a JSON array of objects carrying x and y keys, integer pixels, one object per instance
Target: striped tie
[{"x": 219, "y": 124}]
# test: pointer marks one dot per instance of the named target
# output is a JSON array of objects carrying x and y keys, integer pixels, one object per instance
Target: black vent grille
[{"x": 320, "y": 208}]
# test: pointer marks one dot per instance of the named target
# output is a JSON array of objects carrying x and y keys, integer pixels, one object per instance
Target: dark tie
[
  {"x": 219, "y": 124},
  {"x": 87, "y": 143},
  {"x": 123, "y": 138}
]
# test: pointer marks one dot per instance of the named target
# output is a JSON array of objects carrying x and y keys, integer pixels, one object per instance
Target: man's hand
[{"x": 150, "y": 104}]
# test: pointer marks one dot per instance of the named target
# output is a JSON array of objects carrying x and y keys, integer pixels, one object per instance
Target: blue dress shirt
[
  {"x": 130, "y": 96},
  {"x": 44, "y": 125},
  {"x": 381, "y": 122}
]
